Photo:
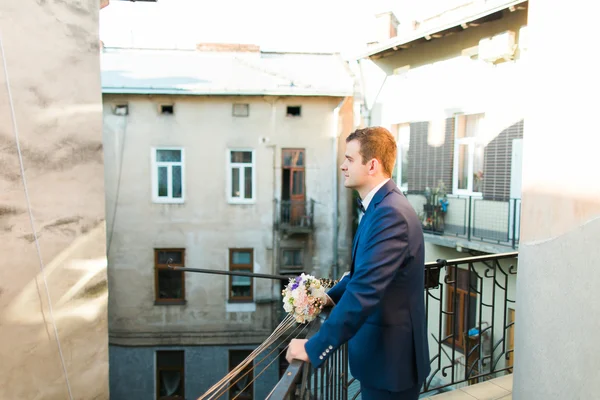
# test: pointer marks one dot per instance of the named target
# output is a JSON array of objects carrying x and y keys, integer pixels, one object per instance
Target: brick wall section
[
  {"x": 427, "y": 165},
  {"x": 497, "y": 163}
]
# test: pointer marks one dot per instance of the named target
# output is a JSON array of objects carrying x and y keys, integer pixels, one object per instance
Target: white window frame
[
  {"x": 169, "y": 164},
  {"x": 470, "y": 142},
  {"x": 242, "y": 166},
  {"x": 399, "y": 156},
  {"x": 240, "y": 307}
]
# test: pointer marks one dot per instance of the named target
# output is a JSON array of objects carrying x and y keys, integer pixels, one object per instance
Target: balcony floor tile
[
  {"x": 505, "y": 382},
  {"x": 453, "y": 395},
  {"x": 485, "y": 391}
]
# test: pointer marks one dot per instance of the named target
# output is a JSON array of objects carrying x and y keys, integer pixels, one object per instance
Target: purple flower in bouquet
[{"x": 304, "y": 297}]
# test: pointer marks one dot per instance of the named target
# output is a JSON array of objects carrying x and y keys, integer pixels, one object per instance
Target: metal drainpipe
[
  {"x": 273, "y": 231},
  {"x": 335, "y": 137}
]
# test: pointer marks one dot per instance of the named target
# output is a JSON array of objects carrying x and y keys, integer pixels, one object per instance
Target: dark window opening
[
  {"x": 170, "y": 374},
  {"x": 169, "y": 284},
  {"x": 294, "y": 111},
  {"x": 167, "y": 109},
  {"x": 121, "y": 109},
  {"x": 241, "y": 110},
  {"x": 242, "y": 387}
]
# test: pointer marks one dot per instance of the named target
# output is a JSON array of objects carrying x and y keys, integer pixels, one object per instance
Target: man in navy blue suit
[{"x": 379, "y": 306}]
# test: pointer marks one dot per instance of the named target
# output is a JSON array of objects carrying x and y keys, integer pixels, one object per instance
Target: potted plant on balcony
[{"x": 435, "y": 208}]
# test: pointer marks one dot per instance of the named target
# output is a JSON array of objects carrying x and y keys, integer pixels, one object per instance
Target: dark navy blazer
[{"x": 380, "y": 309}]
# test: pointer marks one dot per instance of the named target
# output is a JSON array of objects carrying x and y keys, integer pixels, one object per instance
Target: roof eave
[
  {"x": 396, "y": 42},
  {"x": 149, "y": 91}
]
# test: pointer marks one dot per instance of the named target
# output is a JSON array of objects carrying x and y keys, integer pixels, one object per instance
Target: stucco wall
[
  {"x": 558, "y": 297},
  {"x": 51, "y": 54},
  {"x": 206, "y": 224}
]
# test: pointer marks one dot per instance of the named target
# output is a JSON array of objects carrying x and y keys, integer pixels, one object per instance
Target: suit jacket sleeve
[
  {"x": 383, "y": 251},
  {"x": 336, "y": 292}
]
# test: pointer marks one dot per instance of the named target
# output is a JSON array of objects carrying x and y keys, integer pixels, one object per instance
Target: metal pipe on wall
[{"x": 334, "y": 226}]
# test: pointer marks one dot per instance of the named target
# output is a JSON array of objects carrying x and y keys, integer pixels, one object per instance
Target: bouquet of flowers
[{"x": 304, "y": 297}]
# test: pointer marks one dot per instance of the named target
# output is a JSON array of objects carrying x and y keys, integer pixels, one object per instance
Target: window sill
[
  {"x": 240, "y": 306},
  {"x": 242, "y": 202},
  {"x": 170, "y": 302},
  {"x": 168, "y": 201}
]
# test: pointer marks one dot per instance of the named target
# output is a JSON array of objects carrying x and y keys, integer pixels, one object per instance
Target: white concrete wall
[
  {"x": 206, "y": 224},
  {"x": 51, "y": 56},
  {"x": 558, "y": 297}
]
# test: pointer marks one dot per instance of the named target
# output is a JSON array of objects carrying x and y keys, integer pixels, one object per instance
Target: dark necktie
[{"x": 360, "y": 205}]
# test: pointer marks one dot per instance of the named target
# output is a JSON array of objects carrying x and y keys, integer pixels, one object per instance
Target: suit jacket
[{"x": 380, "y": 308}]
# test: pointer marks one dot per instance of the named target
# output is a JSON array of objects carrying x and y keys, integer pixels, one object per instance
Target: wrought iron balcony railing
[
  {"x": 470, "y": 311},
  {"x": 470, "y": 314},
  {"x": 473, "y": 218},
  {"x": 295, "y": 215}
]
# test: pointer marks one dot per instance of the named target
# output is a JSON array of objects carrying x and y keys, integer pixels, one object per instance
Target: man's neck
[{"x": 364, "y": 191}]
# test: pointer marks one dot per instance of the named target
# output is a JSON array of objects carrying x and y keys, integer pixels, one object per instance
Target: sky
[{"x": 278, "y": 25}]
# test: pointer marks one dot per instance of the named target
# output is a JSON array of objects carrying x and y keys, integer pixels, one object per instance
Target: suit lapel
[
  {"x": 362, "y": 223},
  {"x": 379, "y": 196}
]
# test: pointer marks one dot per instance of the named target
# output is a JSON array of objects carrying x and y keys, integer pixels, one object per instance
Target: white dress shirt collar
[{"x": 371, "y": 194}]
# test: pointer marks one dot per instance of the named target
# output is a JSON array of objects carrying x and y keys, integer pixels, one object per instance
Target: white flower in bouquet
[{"x": 304, "y": 298}]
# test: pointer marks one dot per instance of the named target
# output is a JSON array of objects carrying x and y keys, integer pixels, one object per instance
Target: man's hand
[{"x": 297, "y": 351}]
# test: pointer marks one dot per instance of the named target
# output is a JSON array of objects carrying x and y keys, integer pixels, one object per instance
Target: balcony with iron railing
[
  {"x": 470, "y": 310},
  {"x": 470, "y": 314},
  {"x": 294, "y": 216},
  {"x": 489, "y": 225}
]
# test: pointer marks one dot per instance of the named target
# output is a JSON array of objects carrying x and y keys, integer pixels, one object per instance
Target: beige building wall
[
  {"x": 50, "y": 50},
  {"x": 558, "y": 297},
  {"x": 206, "y": 224}
]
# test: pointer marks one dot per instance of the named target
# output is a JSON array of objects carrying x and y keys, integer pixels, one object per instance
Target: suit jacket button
[
  {"x": 330, "y": 347},
  {"x": 320, "y": 357}
]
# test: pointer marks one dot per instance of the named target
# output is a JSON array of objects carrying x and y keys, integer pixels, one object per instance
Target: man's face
[{"x": 355, "y": 173}]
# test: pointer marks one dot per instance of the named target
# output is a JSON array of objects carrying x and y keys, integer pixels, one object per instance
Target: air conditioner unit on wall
[{"x": 501, "y": 46}]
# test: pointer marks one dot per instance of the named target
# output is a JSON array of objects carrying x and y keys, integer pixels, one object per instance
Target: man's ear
[{"x": 373, "y": 166}]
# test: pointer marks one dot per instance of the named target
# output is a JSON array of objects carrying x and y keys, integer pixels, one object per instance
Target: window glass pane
[
  {"x": 170, "y": 284},
  {"x": 292, "y": 258},
  {"x": 472, "y": 313},
  {"x": 298, "y": 257},
  {"x": 241, "y": 157},
  {"x": 168, "y": 155},
  {"x": 300, "y": 159},
  {"x": 478, "y": 167},
  {"x": 163, "y": 190},
  {"x": 169, "y": 359},
  {"x": 288, "y": 257},
  {"x": 404, "y": 143},
  {"x": 248, "y": 182},
  {"x": 241, "y": 286},
  {"x": 175, "y": 256},
  {"x": 238, "y": 390},
  {"x": 463, "y": 166},
  {"x": 235, "y": 182},
  {"x": 170, "y": 384},
  {"x": 241, "y": 257},
  {"x": 461, "y": 128},
  {"x": 472, "y": 125},
  {"x": 237, "y": 280},
  {"x": 298, "y": 182},
  {"x": 287, "y": 158},
  {"x": 176, "y": 181}
]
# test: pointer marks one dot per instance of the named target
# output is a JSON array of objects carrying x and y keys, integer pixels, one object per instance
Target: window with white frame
[
  {"x": 468, "y": 155},
  {"x": 168, "y": 175},
  {"x": 400, "y": 173},
  {"x": 241, "y": 176}
]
